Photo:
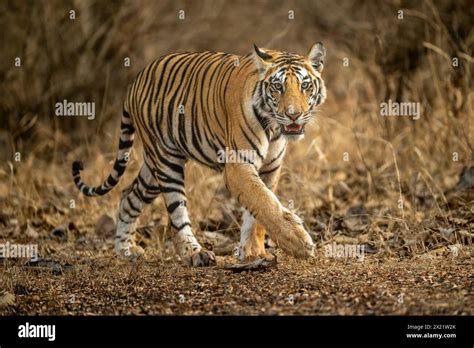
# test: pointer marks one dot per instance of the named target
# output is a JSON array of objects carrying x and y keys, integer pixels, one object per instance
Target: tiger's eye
[
  {"x": 278, "y": 87},
  {"x": 305, "y": 85}
]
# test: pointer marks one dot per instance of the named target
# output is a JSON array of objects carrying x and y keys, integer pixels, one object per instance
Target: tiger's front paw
[
  {"x": 291, "y": 236},
  {"x": 201, "y": 258}
]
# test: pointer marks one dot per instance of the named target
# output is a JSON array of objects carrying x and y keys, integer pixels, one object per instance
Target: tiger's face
[{"x": 291, "y": 87}]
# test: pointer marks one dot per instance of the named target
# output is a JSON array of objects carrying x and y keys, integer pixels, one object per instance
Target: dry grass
[{"x": 348, "y": 201}]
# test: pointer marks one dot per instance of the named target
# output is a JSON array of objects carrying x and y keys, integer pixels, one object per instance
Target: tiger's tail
[{"x": 127, "y": 135}]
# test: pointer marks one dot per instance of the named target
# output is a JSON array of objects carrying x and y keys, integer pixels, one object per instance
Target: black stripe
[
  {"x": 247, "y": 124},
  {"x": 173, "y": 166},
  {"x": 141, "y": 195},
  {"x": 111, "y": 181},
  {"x": 133, "y": 216},
  {"x": 169, "y": 180},
  {"x": 269, "y": 171},
  {"x": 127, "y": 128},
  {"x": 99, "y": 191},
  {"x": 130, "y": 203},
  {"x": 251, "y": 142},
  {"x": 147, "y": 186},
  {"x": 172, "y": 189},
  {"x": 277, "y": 156},
  {"x": 125, "y": 144},
  {"x": 123, "y": 220},
  {"x": 173, "y": 206},
  {"x": 120, "y": 166},
  {"x": 179, "y": 228}
]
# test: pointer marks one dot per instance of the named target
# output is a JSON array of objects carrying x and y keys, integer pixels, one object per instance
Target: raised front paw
[
  {"x": 291, "y": 236},
  {"x": 201, "y": 258}
]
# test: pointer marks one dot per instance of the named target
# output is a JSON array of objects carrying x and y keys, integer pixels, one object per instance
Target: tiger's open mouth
[{"x": 292, "y": 129}]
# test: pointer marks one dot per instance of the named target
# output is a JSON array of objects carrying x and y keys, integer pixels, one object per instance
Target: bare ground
[{"x": 431, "y": 285}]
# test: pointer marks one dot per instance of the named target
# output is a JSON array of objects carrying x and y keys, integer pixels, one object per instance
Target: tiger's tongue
[{"x": 293, "y": 127}]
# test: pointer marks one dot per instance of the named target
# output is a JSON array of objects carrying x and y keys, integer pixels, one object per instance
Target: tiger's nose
[{"x": 293, "y": 115}]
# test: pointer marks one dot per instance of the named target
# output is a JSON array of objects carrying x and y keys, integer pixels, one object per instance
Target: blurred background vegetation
[{"x": 352, "y": 159}]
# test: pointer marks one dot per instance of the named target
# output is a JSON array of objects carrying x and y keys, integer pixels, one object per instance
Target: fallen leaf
[
  {"x": 257, "y": 265},
  {"x": 8, "y": 299}
]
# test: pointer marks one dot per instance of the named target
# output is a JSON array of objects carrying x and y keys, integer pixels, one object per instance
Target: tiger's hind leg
[
  {"x": 170, "y": 177},
  {"x": 252, "y": 240},
  {"x": 143, "y": 191}
]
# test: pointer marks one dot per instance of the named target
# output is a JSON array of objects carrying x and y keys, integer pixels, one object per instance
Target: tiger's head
[{"x": 290, "y": 88}]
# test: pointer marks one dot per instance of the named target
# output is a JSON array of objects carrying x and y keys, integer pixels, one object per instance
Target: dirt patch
[{"x": 423, "y": 285}]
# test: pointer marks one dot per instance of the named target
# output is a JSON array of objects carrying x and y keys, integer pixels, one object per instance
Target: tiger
[{"x": 194, "y": 106}]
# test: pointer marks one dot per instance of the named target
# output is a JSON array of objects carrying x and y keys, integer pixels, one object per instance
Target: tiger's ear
[
  {"x": 316, "y": 56},
  {"x": 262, "y": 58}
]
